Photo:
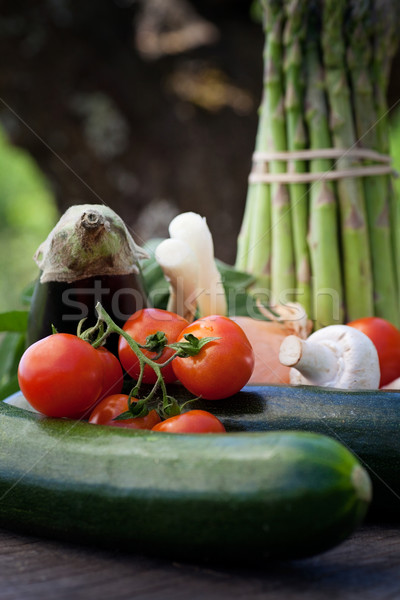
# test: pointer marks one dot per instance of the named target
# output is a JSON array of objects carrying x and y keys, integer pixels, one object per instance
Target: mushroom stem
[
  {"x": 179, "y": 266},
  {"x": 316, "y": 362}
]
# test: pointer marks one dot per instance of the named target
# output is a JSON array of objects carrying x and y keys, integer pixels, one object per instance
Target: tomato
[
  {"x": 223, "y": 366},
  {"x": 386, "y": 338},
  {"x": 61, "y": 375},
  {"x": 113, "y": 377},
  {"x": 193, "y": 421},
  {"x": 139, "y": 326},
  {"x": 112, "y": 406}
]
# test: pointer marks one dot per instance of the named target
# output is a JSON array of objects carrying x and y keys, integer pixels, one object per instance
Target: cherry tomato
[
  {"x": 61, "y": 375},
  {"x": 142, "y": 324},
  {"x": 386, "y": 338},
  {"x": 112, "y": 406},
  {"x": 113, "y": 377},
  {"x": 223, "y": 366},
  {"x": 193, "y": 421}
]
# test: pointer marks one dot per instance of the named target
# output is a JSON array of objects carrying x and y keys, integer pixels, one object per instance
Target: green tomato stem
[
  {"x": 142, "y": 358},
  {"x": 135, "y": 347},
  {"x": 190, "y": 347}
]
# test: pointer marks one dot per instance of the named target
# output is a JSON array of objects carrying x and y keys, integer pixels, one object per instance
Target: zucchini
[
  {"x": 366, "y": 421},
  {"x": 277, "y": 494}
]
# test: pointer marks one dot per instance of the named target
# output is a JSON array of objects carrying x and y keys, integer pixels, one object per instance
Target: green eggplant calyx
[{"x": 89, "y": 240}]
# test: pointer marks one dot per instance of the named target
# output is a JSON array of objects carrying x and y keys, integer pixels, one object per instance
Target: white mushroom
[
  {"x": 336, "y": 356},
  {"x": 192, "y": 229},
  {"x": 180, "y": 269}
]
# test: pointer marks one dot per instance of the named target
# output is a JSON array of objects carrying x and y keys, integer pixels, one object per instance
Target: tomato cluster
[
  {"x": 140, "y": 326},
  {"x": 64, "y": 375}
]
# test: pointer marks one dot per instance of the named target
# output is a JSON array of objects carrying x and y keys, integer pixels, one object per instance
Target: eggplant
[{"x": 88, "y": 257}]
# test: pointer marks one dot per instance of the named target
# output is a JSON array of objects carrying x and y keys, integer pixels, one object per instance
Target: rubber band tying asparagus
[{"x": 256, "y": 176}]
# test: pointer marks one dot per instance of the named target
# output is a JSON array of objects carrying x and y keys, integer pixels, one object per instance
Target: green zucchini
[
  {"x": 366, "y": 421},
  {"x": 224, "y": 496}
]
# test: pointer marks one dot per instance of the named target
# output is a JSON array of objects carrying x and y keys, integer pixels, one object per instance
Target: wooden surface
[{"x": 365, "y": 566}]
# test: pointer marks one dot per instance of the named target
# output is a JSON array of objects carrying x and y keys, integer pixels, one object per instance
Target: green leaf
[
  {"x": 245, "y": 305},
  {"x": 14, "y": 320},
  {"x": 234, "y": 279},
  {"x": 8, "y": 388},
  {"x": 156, "y": 287},
  {"x": 27, "y": 293},
  {"x": 11, "y": 348},
  {"x": 151, "y": 245},
  {"x": 241, "y": 302},
  {"x": 19, "y": 349}
]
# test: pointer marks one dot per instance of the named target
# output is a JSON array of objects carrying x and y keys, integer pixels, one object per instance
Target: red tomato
[
  {"x": 386, "y": 338},
  {"x": 193, "y": 421},
  {"x": 61, "y": 375},
  {"x": 113, "y": 377},
  {"x": 142, "y": 324},
  {"x": 112, "y": 406},
  {"x": 223, "y": 366}
]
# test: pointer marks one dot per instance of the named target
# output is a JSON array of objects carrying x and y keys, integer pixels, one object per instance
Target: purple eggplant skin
[{"x": 62, "y": 305}]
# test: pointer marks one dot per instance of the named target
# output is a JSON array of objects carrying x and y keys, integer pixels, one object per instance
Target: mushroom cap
[{"x": 356, "y": 356}]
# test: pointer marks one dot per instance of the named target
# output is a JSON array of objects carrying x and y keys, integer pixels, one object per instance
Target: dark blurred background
[{"x": 149, "y": 106}]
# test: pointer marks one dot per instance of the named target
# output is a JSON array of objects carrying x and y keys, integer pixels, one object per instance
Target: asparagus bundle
[
  {"x": 376, "y": 189},
  {"x": 293, "y": 35},
  {"x": 321, "y": 222},
  {"x": 386, "y": 18}
]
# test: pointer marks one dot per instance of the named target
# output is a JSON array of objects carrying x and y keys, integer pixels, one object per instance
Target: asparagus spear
[
  {"x": 243, "y": 240},
  {"x": 358, "y": 288},
  {"x": 295, "y": 11},
  {"x": 359, "y": 28},
  {"x": 282, "y": 257},
  {"x": 254, "y": 241},
  {"x": 324, "y": 226},
  {"x": 385, "y": 15}
]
